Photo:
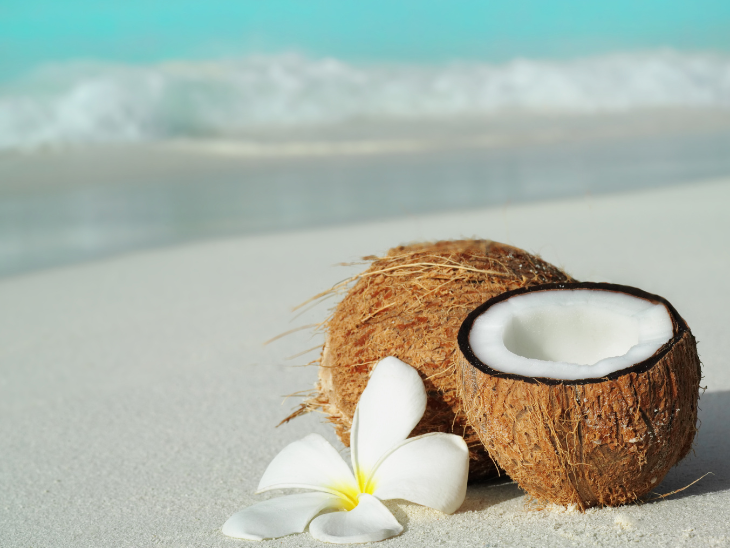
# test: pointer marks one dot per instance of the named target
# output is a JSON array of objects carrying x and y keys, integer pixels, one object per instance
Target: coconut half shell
[
  {"x": 588, "y": 442},
  {"x": 410, "y": 304}
]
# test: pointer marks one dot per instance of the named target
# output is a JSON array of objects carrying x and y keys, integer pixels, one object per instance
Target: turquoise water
[
  {"x": 83, "y": 71},
  {"x": 309, "y": 75},
  {"x": 34, "y": 32}
]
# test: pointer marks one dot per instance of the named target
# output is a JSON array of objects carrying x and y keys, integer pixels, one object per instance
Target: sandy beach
[
  {"x": 139, "y": 404},
  {"x": 175, "y": 178}
]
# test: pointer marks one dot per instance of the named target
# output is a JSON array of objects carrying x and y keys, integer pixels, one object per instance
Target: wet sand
[{"x": 71, "y": 205}]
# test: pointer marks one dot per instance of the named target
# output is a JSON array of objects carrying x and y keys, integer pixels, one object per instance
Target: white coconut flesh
[{"x": 569, "y": 334}]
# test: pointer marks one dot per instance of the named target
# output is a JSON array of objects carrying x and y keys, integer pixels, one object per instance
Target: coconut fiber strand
[
  {"x": 595, "y": 442},
  {"x": 410, "y": 304}
]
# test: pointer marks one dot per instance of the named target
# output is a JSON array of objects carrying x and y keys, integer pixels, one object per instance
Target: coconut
[
  {"x": 410, "y": 304},
  {"x": 585, "y": 393}
]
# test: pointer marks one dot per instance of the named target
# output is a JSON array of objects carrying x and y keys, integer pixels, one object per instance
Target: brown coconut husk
[
  {"x": 595, "y": 442},
  {"x": 410, "y": 304}
]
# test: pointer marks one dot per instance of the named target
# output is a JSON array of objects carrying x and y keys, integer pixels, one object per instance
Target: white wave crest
[{"x": 86, "y": 103}]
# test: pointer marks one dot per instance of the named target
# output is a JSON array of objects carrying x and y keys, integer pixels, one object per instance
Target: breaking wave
[{"x": 102, "y": 102}]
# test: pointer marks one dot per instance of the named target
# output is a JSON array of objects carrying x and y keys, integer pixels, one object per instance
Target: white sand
[{"x": 137, "y": 403}]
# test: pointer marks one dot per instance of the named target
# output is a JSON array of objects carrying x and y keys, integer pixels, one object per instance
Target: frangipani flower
[{"x": 430, "y": 470}]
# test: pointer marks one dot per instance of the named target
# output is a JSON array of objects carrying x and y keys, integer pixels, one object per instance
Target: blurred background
[{"x": 135, "y": 124}]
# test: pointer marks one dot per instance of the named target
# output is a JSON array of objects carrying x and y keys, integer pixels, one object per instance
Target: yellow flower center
[{"x": 350, "y": 492}]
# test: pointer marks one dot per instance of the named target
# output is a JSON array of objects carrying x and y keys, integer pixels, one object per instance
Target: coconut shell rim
[{"x": 679, "y": 324}]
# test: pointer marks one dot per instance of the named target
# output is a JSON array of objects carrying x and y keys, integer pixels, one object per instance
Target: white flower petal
[
  {"x": 279, "y": 517},
  {"x": 390, "y": 407},
  {"x": 370, "y": 521},
  {"x": 310, "y": 463},
  {"x": 430, "y": 470}
]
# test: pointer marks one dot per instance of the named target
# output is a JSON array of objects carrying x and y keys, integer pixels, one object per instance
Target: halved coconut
[
  {"x": 585, "y": 393},
  {"x": 410, "y": 304}
]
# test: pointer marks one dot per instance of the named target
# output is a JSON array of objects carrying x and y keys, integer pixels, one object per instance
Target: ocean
[
  {"x": 39, "y": 32},
  {"x": 135, "y": 125}
]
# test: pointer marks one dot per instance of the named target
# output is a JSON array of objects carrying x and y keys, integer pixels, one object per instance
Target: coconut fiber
[{"x": 410, "y": 304}]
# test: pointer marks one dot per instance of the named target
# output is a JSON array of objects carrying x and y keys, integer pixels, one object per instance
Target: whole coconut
[{"x": 410, "y": 304}]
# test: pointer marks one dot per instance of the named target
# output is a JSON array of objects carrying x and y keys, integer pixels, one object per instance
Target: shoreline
[
  {"x": 376, "y": 137},
  {"x": 80, "y": 204}
]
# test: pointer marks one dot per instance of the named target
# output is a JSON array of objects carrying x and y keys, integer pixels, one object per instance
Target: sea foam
[{"x": 103, "y": 102}]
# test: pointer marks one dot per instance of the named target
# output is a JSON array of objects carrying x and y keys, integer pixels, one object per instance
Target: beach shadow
[
  {"x": 709, "y": 453},
  {"x": 396, "y": 508},
  {"x": 483, "y": 495}
]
